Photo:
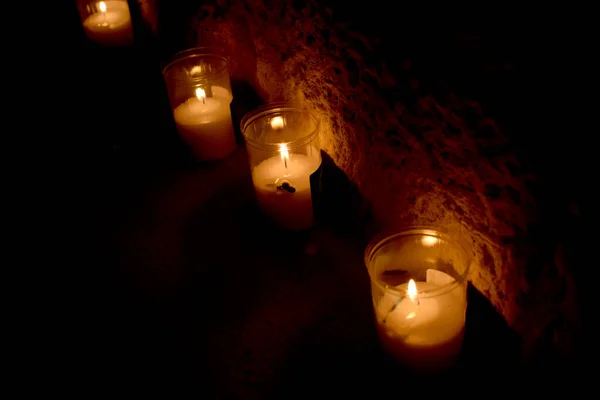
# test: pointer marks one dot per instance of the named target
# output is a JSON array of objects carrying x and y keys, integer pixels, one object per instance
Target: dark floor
[
  {"x": 191, "y": 282},
  {"x": 183, "y": 280}
]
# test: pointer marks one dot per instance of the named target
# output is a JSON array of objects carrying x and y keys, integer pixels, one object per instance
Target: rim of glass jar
[
  {"x": 198, "y": 52},
  {"x": 421, "y": 230},
  {"x": 278, "y": 107}
]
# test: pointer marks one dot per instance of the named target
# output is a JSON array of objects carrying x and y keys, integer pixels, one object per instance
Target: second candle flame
[
  {"x": 277, "y": 123},
  {"x": 102, "y": 6},
  {"x": 285, "y": 155}
]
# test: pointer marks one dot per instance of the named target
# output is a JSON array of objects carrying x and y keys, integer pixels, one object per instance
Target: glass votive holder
[
  {"x": 199, "y": 91},
  {"x": 107, "y": 23},
  {"x": 419, "y": 291},
  {"x": 285, "y": 159}
]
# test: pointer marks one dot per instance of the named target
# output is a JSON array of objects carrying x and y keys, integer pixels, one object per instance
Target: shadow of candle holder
[
  {"x": 245, "y": 99},
  {"x": 342, "y": 206}
]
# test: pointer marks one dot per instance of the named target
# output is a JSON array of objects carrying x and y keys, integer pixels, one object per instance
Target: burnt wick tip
[{"x": 287, "y": 187}]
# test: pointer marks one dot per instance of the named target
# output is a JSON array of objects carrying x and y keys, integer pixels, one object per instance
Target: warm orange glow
[
  {"x": 277, "y": 123},
  {"x": 412, "y": 289},
  {"x": 102, "y": 6},
  {"x": 429, "y": 241},
  {"x": 285, "y": 155},
  {"x": 196, "y": 70}
]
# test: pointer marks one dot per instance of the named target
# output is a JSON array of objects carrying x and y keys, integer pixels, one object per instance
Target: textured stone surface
[{"x": 416, "y": 156}]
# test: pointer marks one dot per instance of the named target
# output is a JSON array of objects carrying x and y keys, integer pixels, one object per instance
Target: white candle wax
[
  {"x": 205, "y": 124},
  {"x": 273, "y": 179},
  {"x": 111, "y": 25},
  {"x": 423, "y": 332}
]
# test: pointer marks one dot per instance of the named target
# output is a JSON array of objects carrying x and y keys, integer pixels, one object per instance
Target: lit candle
[
  {"x": 282, "y": 185},
  {"x": 423, "y": 331},
  {"x": 111, "y": 24},
  {"x": 205, "y": 123}
]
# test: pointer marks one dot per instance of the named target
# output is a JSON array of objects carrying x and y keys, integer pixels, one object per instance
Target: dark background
[{"x": 527, "y": 67}]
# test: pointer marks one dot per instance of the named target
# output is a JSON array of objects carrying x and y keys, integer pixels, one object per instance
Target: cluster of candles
[
  {"x": 420, "y": 309},
  {"x": 281, "y": 146},
  {"x": 282, "y": 141}
]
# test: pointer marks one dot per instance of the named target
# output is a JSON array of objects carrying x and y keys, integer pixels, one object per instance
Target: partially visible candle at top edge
[{"x": 111, "y": 25}]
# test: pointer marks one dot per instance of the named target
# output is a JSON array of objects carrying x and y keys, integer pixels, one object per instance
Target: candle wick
[
  {"x": 203, "y": 100},
  {"x": 285, "y": 162}
]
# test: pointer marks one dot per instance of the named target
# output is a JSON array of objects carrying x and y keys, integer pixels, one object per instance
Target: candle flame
[
  {"x": 277, "y": 123},
  {"x": 201, "y": 94},
  {"x": 285, "y": 155},
  {"x": 102, "y": 6},
  {"x": 412, "y": 289}
]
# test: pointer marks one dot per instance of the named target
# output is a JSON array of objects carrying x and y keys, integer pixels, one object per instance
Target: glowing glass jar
[
  {"x": 200, "y": 95},
  {"x": 418, "y": 285},
  {"x": 285, "y": 160},
  {"x": 108, "y": 23}
]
